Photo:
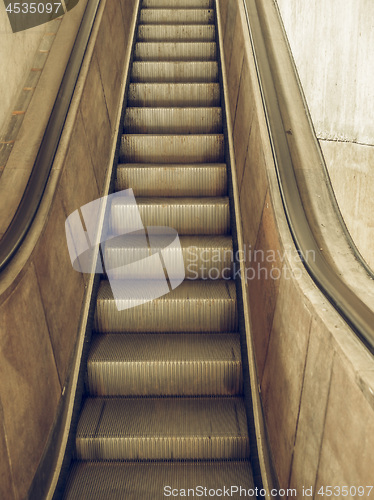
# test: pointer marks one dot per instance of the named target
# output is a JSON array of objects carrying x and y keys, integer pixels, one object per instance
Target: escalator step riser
[
  {"x": 172, "y": 149},
  {"x": 178, "y": 4},
  {"x": 143, "y": 480},
  {"x": 162, "y": 429},
  {"x": 176, "y": 16},
  {"x": 194, "y": 306},
  {"x": 177, "y": 33},
  {"x": 173, "y": 180},
  {"x": 174, "y": 72},
  {"x": 206, "y": 51},
  {"x": 204, "y": 257},
  {"x": 164, "y": 379},
  {"x": 188, "y": 216},
  {"x": 173, "y": 121},
  {"x": 177, "y": 448},
  {"x": 165, "y": 365},
  {"x": 174, "y": 94}
]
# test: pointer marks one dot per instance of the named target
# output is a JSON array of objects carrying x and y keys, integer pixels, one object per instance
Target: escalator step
[
  {"x": 178, "y": 4},
  {"x": 174, "y": 94},
  {"x": 162, "y": 428},
  {"x": 176, "y": 16},
  {"x": 151, "y": 481},
  {"x": 138, "y": 148},
  {"x": 174, "y": 71},
  {"x": 164, "y": 51},
  {"x": 146, "y": 179},
  {"x": 177, "y": 33},
  {"x": 186, "y": 215},
  {"x": 205, "y": 257},
  {"x": 165, "y": 365},
  {"x": 194, "y": 306},
  {"x": 173, "y": 120}
]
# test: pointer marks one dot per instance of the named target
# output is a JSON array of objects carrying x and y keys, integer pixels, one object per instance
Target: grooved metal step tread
[
  {"x": 165, "y": 365},
  {"x": 209, "y": 179},
  {"x": 189, "y": 216},
  {"x": 173, "y": 120},
  {"x": 147, "y": 481},
  {"x": 179, "y": 4},
  {"x": 194, "y": 306},
  {"x": 176, "y": 16},
  {"x": 162, "y": 428},
  {"x": 178, "y": 33},
  {"x": 139, "y": 148},
  {"x": 205, "y": 257},
  {"x": 174, "y": 94},
  {"x": 177, "y": 51},
  {"x": 174, "y": 71}
]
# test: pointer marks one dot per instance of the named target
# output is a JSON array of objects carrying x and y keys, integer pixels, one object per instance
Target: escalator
[
  {"x": 167, "y": 404},
  {"x": 164, "y": 409}
]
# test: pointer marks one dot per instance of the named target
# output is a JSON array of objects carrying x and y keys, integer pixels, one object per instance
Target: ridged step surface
[
  {"x": 174, "y": 94},
  {"x": 162, "y": 428},
  {"x": 173, "y": 120},
  {"x": 205, "y": 257},
  {"x": 177, "y": 33},
  {"x": 190, "y": 216},
  {"x": 164, "y": 51},
  {"x": 147, "y": 179},
  {"x": 183, "y": 364},
  {"x": 146, "y": 481},
  {"x": 176, "y": 16},
  {"x": 138, "y": 148},
  {"x": 174, "y": 71},
  {"x": 195, "y": 306}
]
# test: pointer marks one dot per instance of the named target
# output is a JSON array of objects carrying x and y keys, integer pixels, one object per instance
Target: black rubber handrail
[
  {"x": 355, "y": 312},
  {"x": 32, "y": 196}
]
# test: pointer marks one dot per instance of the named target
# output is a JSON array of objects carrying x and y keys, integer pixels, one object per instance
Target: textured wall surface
[
  {"x": 316, "y": 379},
  {"x": 331, "y": 43}
]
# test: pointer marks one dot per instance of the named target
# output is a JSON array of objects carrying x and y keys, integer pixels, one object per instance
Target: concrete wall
[
  {"x": 316, "y": 379},
  {"x": 351, "y": 171},
  {"x": 331, "y": 43},
  {"x": 40, "y": 293},
  {"x": 17, "y": 51}
]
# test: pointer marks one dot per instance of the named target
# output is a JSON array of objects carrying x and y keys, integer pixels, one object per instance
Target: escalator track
[{"x": 164, "y": 407}]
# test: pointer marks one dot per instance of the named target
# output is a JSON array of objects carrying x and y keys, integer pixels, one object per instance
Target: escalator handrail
[
  {"x": 355, "y": 312},
  {"x": 33, "y": 194}
]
